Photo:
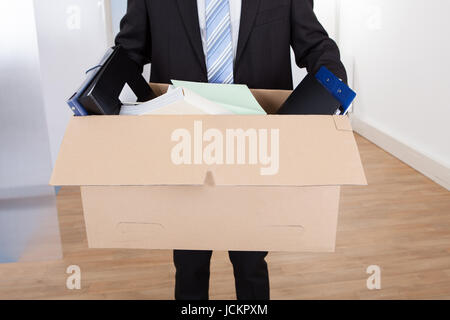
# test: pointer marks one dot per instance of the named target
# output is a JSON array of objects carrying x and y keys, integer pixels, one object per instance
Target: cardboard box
[{"x": 211, "y": 182}]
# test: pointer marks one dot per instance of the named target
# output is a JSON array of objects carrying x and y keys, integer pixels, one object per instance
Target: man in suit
[{"x": 226, "y": 41}]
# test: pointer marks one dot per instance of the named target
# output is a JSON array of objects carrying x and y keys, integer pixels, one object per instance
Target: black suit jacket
[{"x": 166, "y": 33}]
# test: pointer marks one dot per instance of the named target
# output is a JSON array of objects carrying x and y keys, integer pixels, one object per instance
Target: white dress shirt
[{"x": 235, "y": 16}]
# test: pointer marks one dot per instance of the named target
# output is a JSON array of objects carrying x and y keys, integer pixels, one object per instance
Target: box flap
[
  {"x": 182, "y": 149},
  {"x": 271, "y": 100},
  {"x": 342, "y": 123},
  {"x": 159, "y": 88}
]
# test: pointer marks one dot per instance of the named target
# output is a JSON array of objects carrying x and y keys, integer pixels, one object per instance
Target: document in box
[
  {"x": 236, "y": 98},
  {"x": 176, "y": 101}
]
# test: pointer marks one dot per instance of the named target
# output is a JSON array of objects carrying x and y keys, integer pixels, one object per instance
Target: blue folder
[
  {"x": 322, "y": 93},
  {"x": 338, "y": 89}
]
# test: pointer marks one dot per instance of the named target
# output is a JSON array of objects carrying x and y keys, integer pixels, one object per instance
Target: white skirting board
[{"x": 420, "y": 162}]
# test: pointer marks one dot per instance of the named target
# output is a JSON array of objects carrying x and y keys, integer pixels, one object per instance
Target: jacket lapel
[
  {"x": 248, "y": 14},
  {"x": 189, "y": 13}
]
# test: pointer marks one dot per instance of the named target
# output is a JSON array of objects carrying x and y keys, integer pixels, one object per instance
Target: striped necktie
[{"x": 219, "y": 59}]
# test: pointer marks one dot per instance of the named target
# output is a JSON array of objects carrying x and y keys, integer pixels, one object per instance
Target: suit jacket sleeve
[
  {"x": 312, "y": 46},
  {"x": 134, "y": 35}
]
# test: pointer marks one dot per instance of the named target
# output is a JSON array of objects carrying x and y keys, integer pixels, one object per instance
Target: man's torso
[{"x": 262, "y": 58}]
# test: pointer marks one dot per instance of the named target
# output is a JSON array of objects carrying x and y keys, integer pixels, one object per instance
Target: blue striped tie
[{"x": 219, "y": 59}]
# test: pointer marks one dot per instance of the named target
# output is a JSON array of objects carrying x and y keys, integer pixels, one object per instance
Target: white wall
[
  {"x": 28, "y": 218},
  {"x": 326, "y": 11},
  {"x": 24, "y": 143},
  {"x": 401, "y": 52},
  {"x": 118, "y": 9},
  {"x": 72, "y": 37}
]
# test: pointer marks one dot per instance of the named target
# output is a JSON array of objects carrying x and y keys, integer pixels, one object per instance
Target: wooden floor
[{"x": 400, "y": 222}]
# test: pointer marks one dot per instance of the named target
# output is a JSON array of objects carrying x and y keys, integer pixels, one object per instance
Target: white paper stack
[{"x": 175, "y": 101}]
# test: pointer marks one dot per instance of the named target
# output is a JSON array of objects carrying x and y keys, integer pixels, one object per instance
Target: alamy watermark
[
  {"x": 74, "y": 280},
  {"x": 233, "y": 146},
  {"x": 374, "y": 281}
]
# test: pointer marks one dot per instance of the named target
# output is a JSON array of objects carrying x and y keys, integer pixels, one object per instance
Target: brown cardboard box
[{"x": 196, "y": 182}]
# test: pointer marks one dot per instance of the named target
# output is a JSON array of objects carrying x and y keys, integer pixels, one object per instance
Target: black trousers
[{"x": 192, "y": 274}]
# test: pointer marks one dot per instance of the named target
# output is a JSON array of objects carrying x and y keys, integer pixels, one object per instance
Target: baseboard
[{"x": 420, "y": 162}]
